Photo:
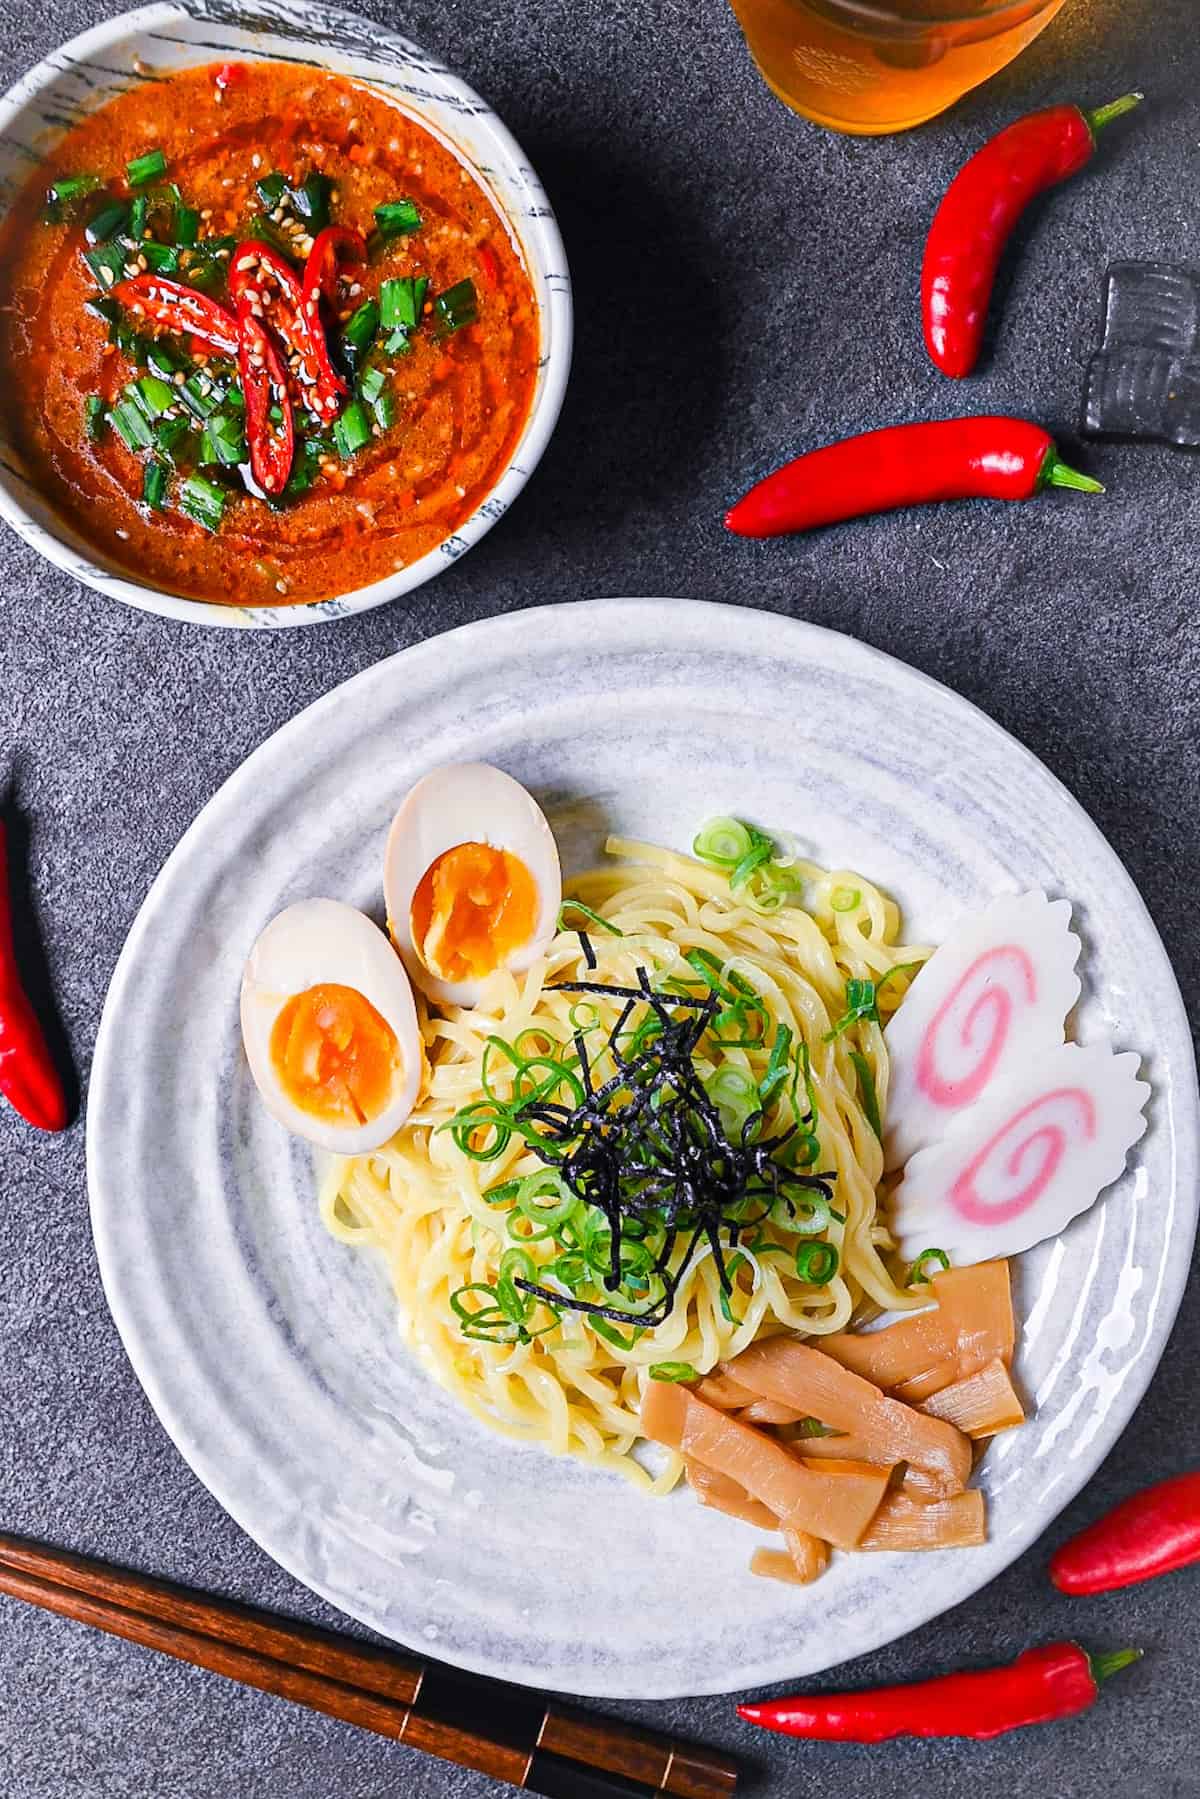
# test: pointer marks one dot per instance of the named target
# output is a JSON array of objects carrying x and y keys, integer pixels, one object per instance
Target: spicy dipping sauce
[{"x": 262, "y": 337}]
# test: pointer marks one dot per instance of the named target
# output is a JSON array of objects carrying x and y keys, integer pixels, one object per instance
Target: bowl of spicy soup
[{"x": 285, "y": 320}]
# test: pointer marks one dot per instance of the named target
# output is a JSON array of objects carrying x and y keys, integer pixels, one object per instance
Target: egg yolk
[
  {"x": 475, "y": 906},
  {"x": 336, "y": 1058}
]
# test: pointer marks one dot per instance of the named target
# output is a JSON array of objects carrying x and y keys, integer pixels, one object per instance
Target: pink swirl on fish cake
[
  {"x": 991, "y": 1008},
  {"x": 1045, "y": 1145}
]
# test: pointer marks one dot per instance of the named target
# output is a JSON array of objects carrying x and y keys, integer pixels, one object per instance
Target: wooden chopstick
[{"x": 507, "y": 1732}]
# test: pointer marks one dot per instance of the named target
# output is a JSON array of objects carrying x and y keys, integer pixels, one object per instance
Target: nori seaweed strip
[
  {"x": 585, "y": 944},
  {"x": 648, "y": 1148}
]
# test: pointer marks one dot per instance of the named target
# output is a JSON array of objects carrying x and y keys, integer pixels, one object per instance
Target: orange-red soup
[{"x": 459, "y": 399}]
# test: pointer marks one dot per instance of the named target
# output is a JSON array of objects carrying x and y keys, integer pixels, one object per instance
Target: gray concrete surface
[{"x": 746, "y": 287}]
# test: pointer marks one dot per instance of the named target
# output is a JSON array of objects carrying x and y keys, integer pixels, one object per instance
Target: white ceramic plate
[
  {"x": 181, "y": 34},
  {"x": 270, "y": 1352}
]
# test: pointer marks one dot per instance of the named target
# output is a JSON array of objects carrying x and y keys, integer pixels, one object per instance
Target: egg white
[
  {"x": 468, "y": 802},
  {"x": 324, "y": 941}
]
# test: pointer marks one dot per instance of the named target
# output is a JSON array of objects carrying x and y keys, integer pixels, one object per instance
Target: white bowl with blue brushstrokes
[{"x": 179, "y": 34}]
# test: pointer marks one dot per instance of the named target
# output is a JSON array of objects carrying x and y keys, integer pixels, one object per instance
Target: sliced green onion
[
  {"x": 574, "y": 905},
  {"x": 107, "y": 263},
  {"x": 916, "y": 1276},
  {"x": 777, "y": 1066},
  {"x": 228, "y": 439},
  {"x": 131, "y": 426},
  {"x": 732, "y": 1269},
  {"x": 503, "y": 1194},
  {"x": 201, "y": 395},
  {"x": 187, "y": 225},
  {"x": 170, "y": 436},
  {"x": 398, "y": 344},
  {"x": 271, "y": 189},
  {"x": 162, "y": 360},
  {"x": 810, "y": 1215},
  {"x": 845, "y": 899},
  {"x": 104, "y": 307},
  {"x": 137, "y": 215},
  {"x": 146, "y": 168},
  {"x": 106, "y": 223},
  {"x": 722, "y": 842},
  {"x": 735, "y": 1095},
  {"x": 361, "y": 327},
  {"x": 264, "y": 230},
  {"x": 351, "y": 432},
  {"x": 204, "y": 501},
  {"x": 93, "y": 413},
  {"x": 817, "y": 1263},
  {"x": 154, "y": 485},
  {"x": 384, "y": 408},
  {"x": 67, "y": 190},
  {"x": 456, "y": 307},
  {"x": 162, "y": 259},
  {"x": 544, "y": 1199},
  {"x": 371, "y": 383},
  {"x": 155, "y": 395},
  {"x": 866, "y": 1092},
  {"x": 401, "y": 300},
  {"x": 584, "y": 1016},
  {"x": 861, "y": 1007},
  {"x": 760, "y": 852},
  {"x": 311, "y": 201},
  {"x": 673, "y": 1371},
  {"x": 397, "y": 218},
  {"x": 909, "y": 968}
]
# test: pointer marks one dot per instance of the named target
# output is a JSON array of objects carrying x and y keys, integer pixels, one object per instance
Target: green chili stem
[
  {"x": 1103, "y": 1667},
  {"x": 1055, "y": 472},
  {"x": 1116, "y": 109}
]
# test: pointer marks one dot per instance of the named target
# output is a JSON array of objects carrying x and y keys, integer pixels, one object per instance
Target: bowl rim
[{"x": 536, "y": 233}]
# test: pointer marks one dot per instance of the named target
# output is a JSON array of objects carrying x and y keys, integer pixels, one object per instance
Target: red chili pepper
[
  {"x": 1041, "y": 1685},
  {"x": 230, "y": 74},
  {"x": 906, "y": 465},
  {"x": 272, "y": 442},
  {"x": 980, "y": 212},
  {"x": 28, "y": 1078},
  {"x": 268, "y": 287},
  {"x": 331, "y": 248},
  {"x": 180, "y": 309},
  {"x": 1153, "y": 1533}
]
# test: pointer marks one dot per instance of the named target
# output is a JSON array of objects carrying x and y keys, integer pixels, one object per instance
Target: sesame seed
[
  {"x": 353, "y": 123},
  {"x": 356, "y": 287},
  {"x": 461, "y": 492},
  {"x": 306, "y": 244},
  {"x": 137, "y": 311},
  {"x": 228, "y": 181},
  {"x": 277, "y": 215},
  {"x": 281, "y": 587},
  {"x": 179, "y": 378},
  {"x": 256, "y": 361},
  {"x": 123, "y": 535},
  {"x": 206, "y": 212},
  {"x": 224, "y": 255},
  {"x": 335, "y": 195},
  {"x": 256, "y": 161},
  {"x": 147, "y": 235}
]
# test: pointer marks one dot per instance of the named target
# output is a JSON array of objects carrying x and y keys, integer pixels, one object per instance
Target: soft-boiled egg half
[
  {"x": 330, "y": 1027},
  {"x": 472, "y": 880}
]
